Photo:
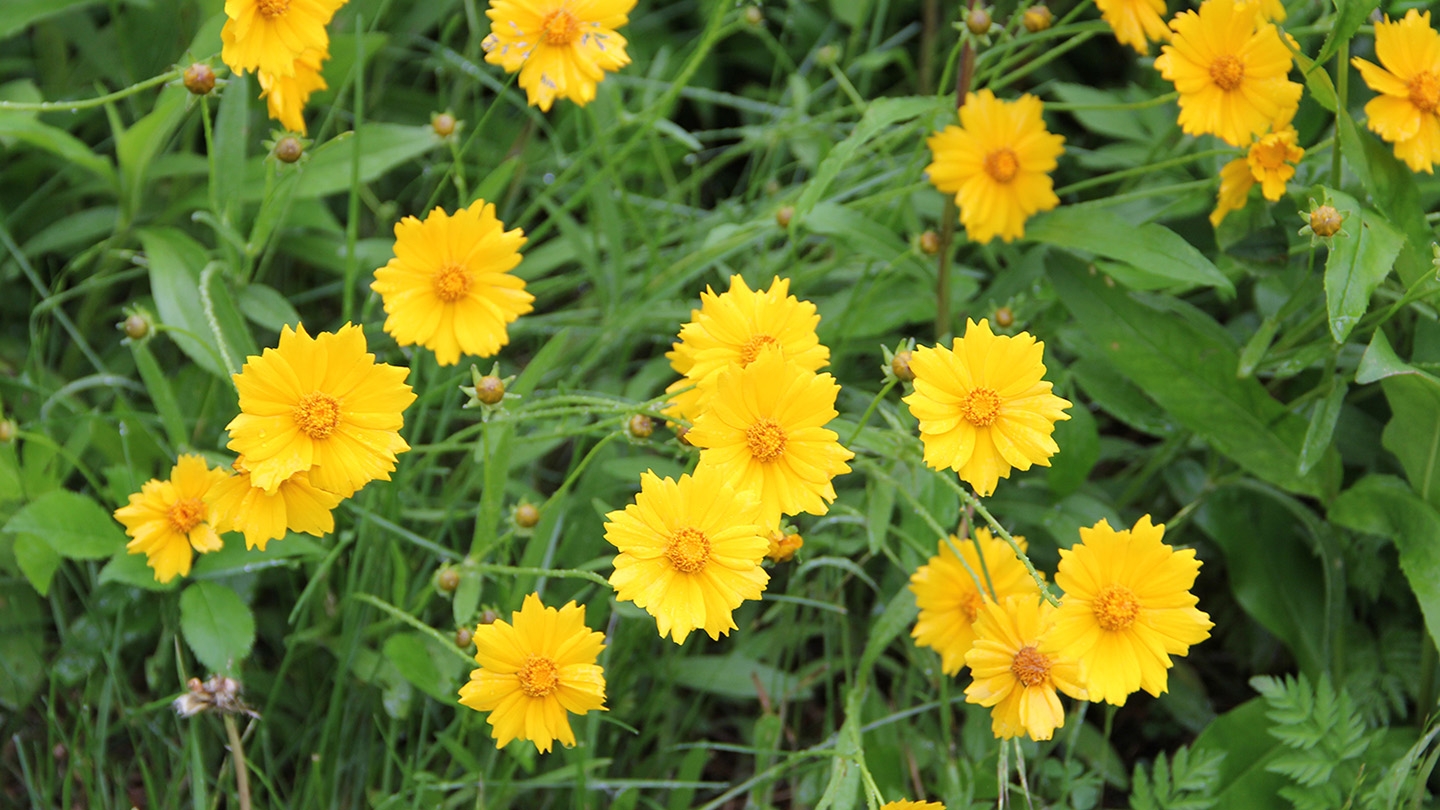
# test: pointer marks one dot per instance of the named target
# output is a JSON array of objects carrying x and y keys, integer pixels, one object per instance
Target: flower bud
[
  {"x": 929, "y": 243},
  {"x": 640, "y": 426},
  {"x": 978, "y": 20},
  {"x": 680, "y": 431},
  {"x": 784, "y": 215},
  {"x": 199, "y": 78},
  {"x": 462, "y": 637},
  {"x": 1004, "y": 317},
  {"x": 7, "y": 431},
  {"x": 289, "y": 149},
  {"x": 1037, "y": 18},
  {"x": 754, "y": 16},
  {"x": 443, "y": 124},
  {"x": 526, "y": 516},
  {"x": 447, "y": 579},
  {"x": 136, "y": 327},
  {"x": 827, "y": 55},
  {"x": 490, "y": 389},
  {"x": 900, "y": 365},
  {"x": 488, "y": 616},
  {"x": 1325, "y": 221}
]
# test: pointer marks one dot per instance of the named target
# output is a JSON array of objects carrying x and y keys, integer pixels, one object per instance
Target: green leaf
[
  {"x": 1360, "y": 258},
  {"x": 1241, "y": 734},
  {"x": 267, "y": 307},
  {"x": 232, "y": 133},
  {"x": 1185, "y": 362},
  {"x": 1150, "y": 248},
  {"x": 161, "y": 393},
  {"x": 26, "y": 129},
  {"x": 1322, "y": 426},
  {"x": 175, "y": 263},
  {"x": 1393, "y": 191},
  {"x": 137, "y": 146},
  {"x": 17, "y": 15},
  {"x": 1349, "y": 16},
  {"x": 1079, "y": 440},
  {"x": 1317, "y": 80},
  {"x": 1380, "y": 361},
  {"x": 234, "y": 558},
  {"x": 37, "y": 561},
  {"x": 217, "y": 625},
  {"x": 434, "y": 672},
  {"x": 865, "y": 236},
  {"x": 75, "y": 526},
  {"x": 897, "y": 616},
  {"x": 1413, "y": 432},
  {"x": 328, "y": 171},
  {"x": 22, "y": 645},
  {"x": 734, "y": 676},
  {"x": 131, "y": 569},
  {"x": 882, "y": 115}
]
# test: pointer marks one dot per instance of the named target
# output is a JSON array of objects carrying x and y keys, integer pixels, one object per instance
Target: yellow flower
[
  {"x": 449, "y": 287},
  {"x": 1271, "y": 160},
  {"x": 1272, "y": 10},
  {"x": 1017, "y": 668},
  {"x": 262, "y": 516},
  {"x": 321, "y": 405},
  {"x": 562, "y": 48},
  {"x": 690, "y": 552},
  {"x": 764, "y": 432},
  {"x": 996, "y": 163},
  {"x": 731, "y": 329},
  {"x": 1230, "y": 70},
  {"x": 982, "y": 406},
  {"x": 909, "y": 805},
  {"x": 167, "y": 519},
  {"x": 1136, "y": 23},
  {"x": 783, "y": 546},
  {"x": 533, "y": 671},
  {"x": 1127, "y": 609},
  {"x": 270, "y": 35},
  {"x": 1235, "y": 184},
  {"x": 285, "y": 96},
  {"x": 951, "y": 590},
  {"x": 1407, "y": 110}
]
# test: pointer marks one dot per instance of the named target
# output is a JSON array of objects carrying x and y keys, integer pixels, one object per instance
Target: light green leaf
[
  {"x": 1413, "y": 432},
  {"x": 58, "y": 142},
  {"x": 267, "y": 307},
  {"x": 1322, "y": 426},
  {"x": 22, "y": 645},
  {"x": 1150, "y": 248},
  {"x": 137, "y": 146},
  {"x": 1360, "y": 258},
  {"x": 881, "y": 115},
  {"x": 437, "y": 673},
  {"x": 17, "y": 15},
  {"x": 175, "y": 264},
  {"x": 328, "y": 171},
  {"x": 232, "y": 133},
  {"x": 734, "y": 676},
  {"x": 218, "y": 626},
  {"x": 37, "y": 561},
  {"x": 75, "y": 526}
]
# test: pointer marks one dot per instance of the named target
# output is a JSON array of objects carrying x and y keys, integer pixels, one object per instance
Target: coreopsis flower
[
  {"x": 449, "y": 287},
  {"x": 1017, "y": 669},
  {"x": 286, "y": 96},
  {"x": 562, "y": 48},
  {"x": 1230, "y": 69},
  {"x": 170, "y": 520},
  {"x": 535, "y": 671},
  {"x": 1270, "y": 162},
  {"x": 909, "y": 805},
  {"x": 320, "y": 405},
  {"x": 983, "y": 407},
  {"x": 731, "y": 329},
  {"x": 1235, "y": 184},
  {"x": 1136, "y": 23},
  {"x": 294, "y": 506},
  {"x": 764, "y": 431},
  {"x": 951, "y": 590},
  {"x": 997, "y": 164},
  {"x": 270, "y": 35},
  {"x": 1407, "y": 110},
  {"x": 690, "y": 552},
  {"x": 1127, "y": 609}
]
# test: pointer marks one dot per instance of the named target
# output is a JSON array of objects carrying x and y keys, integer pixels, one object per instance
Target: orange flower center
[
  {"x": 317, "y": 415},
  {"x": 560, "y": 28},
  {"x": 754, "y": 346},
  {"x": 1425, "y": 91},
  {"x": 1116, "y": 608},
  {"x": 981, "y": 407},
  {"x": 1030, "y": 667},
  {"x": 970, "y": 605},
  {"x": 688, "y": 550},
  {"x": 186, "y": 514},
  {"x": 1002, "y": 165},
  {"x": 766, "y": 440},
  {"x": 1271, "y": 152},
  {"x": 1227, "y": 72},
  {"x": 451, "y": 283},
  {"x": 538, "y": 676},
  {"x": 274, "y": 8}
]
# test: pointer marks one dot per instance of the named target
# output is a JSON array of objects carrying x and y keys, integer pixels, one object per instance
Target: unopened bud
[
  {"x": 490, "y": 389},
  {"x": 754, "y": 16},
  {"x": 526, "y": 516},
  {"x": 1325, "y": 221},
  {"x": 7, "y": 431},
  {"x": 463, "y": 637},
  {"x": 289, "y": 149},
  {"x": 443, "y": 124},
  {"x": 640, "y": 426},
  {"x": 680, "y": 431},
  {"x": 1004, "y": 317},
  {"x": 900, "y": 365},
  {"x": 1037, "y": 18},
  {"x": 136, "y": 327},
  {"x": 978, "y": 20},
  {"x": 447, "y": 579},
  {"x": 488, "y": 616},
  {"x": 930, "y": 243},
  {"x": 784, "y": 215},
  {"x": 827, "y": 55},
  {"x": 199, "y": 78}
]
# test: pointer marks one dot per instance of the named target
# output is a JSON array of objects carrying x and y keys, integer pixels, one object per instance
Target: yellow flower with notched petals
[
  {"x": 449, "y": 287},
  {"x": 997, "y": 164},
  {"x": 535, "y": 671},
  {"x": 1230, "y": 70},
  {"x": 1017, "y": 669},
  {"x": 690, "y": 552},
  {"x": 270, "y": 35},
  {"x": 1407, "y": 110},
  {"x": 1127, "y": 609},
  {"x": 169, "y": 520},
  {"x": 562, "y": 48},
  {"x": 983, "y": 407},
  {"x": 1136, "y": 23},
  {"x": 295, "y": 506},
  {"x": 286, "y": 96}
]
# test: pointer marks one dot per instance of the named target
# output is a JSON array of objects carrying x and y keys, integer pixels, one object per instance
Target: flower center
[
  {"x": 970, "y": 605},
  {"x": 1425, "y": 91},
  {"x": 186, "y": 514},
  {"x": 1116, "y": 608},
  {"x": 688, "y": 550},
  {"x": 766, "y": 440},
  {"x": 539, "y": 676},
  {"x": 1271, "y": 152},
  {"x": 560, "y": 28},
  {"x": 1227, "y": 72},
  {"x": 981, "y": 407},
  {"x": 1002, "y": 165},
  {"x": 451, "y": 283},
  {"x": 274, "y": 8},
  {"x": 754, "y": 346},
  {"x": 317, "y": 415},
  {"x": 1030, "y": 666}
]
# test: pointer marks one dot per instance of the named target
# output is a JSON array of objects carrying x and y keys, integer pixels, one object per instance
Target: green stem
[
  {"x": 974, "y": 503},
  {"x": 1139, "y": 170},
  {"x": 1342, "y": 95},
  {"x": 1056, "y": 106},
  {"x": 870, "y": 411},
  {"x": 90, "y": 103},
  {"x": 237, "y": 755}
]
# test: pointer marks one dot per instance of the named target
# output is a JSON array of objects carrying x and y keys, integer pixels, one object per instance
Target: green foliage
[
  {"x": 1325, "y": 737},
  {"x": 1186, "y": 782}
]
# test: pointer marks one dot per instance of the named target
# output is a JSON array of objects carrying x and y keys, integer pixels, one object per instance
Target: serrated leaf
[
  {"x": 1349, "y": 16},
  {"x": 1360, "y": 258},
  {"x": 75, "y": 526},
  {"x": 218, "y": 626}
]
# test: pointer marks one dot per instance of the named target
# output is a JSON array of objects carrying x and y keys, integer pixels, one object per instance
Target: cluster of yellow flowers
[
  {"x": 285, "y": 43},
  {"x": 1126, "y": 609},
  {"x": 319, "y": 419}
]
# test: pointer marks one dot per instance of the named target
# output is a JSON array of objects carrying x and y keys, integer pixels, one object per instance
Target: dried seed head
[
  {"x": 289, "y": 149},
  {"x": 199, "y": 78},
  {"x": 640, "y": 426}
]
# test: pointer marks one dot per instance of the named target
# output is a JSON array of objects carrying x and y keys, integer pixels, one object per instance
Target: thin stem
[
  {"x": 1057, "y": 106},
  {"x": 1342, "y": 94},
  {"x": 237, "y": 756},
  {"x": 974, "y": 503},
  {"x": 942, "y": 280},
  {"x": 90, "y": 103},
  {"x": 1138, "y": 170},
  {"x": 870, "y": 411}
]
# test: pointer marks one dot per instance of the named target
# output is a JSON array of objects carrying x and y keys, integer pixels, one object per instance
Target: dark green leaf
[
  {"x": 1322, "y": 426},
  {"x": 37, "y": 561},
  {"x": 1150, "y": 248},
  {"x": 22, "y": 645},
  {"x": 881, "y": 115},
  {"x": 57, "y": 141},
  {"x": 132, "y": 570},
  {"x": 1241, "y": 734},
  {"x": 1361, "y": 256},
  {"x": 1349, "y": 16},
  {"x": 74, "y": 525},
  {"x": 1079, "y": 441},
  {"x": 328, "y": 171},
  {"x": 1413, "y": 433},
  {"x": 17, "y": 15},
  {"x": 734, "y": 676},
  {"x": 217, "y": 625}
]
